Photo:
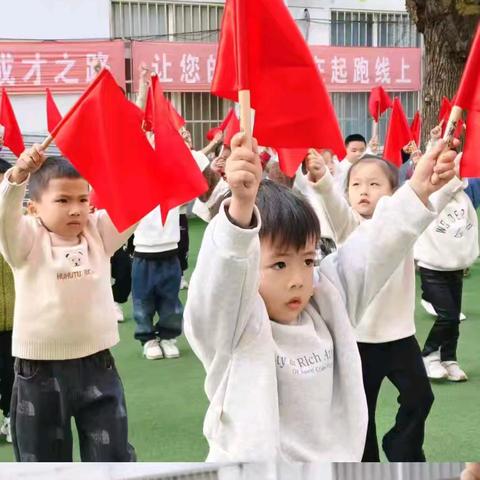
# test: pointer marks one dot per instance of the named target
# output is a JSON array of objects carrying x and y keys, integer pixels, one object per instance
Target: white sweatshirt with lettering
[
  {"x": 391, "y": 314},
  {"x": 64, "y": 305},
  {"x": 451, "y": 241},
  {"x": 292, "y": 392}
]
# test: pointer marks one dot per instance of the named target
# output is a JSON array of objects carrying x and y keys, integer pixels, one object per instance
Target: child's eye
[
  {"x": 375, "y": 184},
  {"x": 61, "y": 200},
  {"x": 310, "y": 262},
  {"x": 355, "y": 184},
  {"x": 279, "y": 265},
  {"x": 83, "y": 200}
]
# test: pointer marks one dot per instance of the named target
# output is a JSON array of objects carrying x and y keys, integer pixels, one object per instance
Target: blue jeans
[{"x": 155, "y": 287}]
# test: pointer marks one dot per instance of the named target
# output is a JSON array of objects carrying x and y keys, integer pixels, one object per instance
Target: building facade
[{"x": 357, "y": 25}]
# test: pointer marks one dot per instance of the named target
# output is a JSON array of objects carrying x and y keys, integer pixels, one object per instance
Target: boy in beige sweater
[{"x": 64, "y": 319}]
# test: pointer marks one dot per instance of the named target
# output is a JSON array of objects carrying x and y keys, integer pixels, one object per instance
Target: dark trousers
[
  {"x": 6, "y": 372},
  {"x": 184, "y": 243},
  {"x": 47, "y": 394},
  {"x": 155, "y": 287},
  {"x": 444, "y": 291},
  {"x": 122, "y": 274},
  {"x": 401, "y": 362}
]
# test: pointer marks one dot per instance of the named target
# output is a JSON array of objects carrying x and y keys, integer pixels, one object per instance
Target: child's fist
[
  {"x": 243, "y": 169},
  {"x": 315, "y": 165},
  {"x": 28, "y": 162}
]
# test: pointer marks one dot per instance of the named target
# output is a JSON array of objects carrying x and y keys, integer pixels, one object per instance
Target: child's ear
[{"x": 32, "y": 208}]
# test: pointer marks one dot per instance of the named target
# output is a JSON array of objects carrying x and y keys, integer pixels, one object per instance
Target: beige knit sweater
[{"x": 64, "y": 305}]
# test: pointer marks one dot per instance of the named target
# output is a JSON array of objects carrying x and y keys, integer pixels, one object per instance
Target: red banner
[
  {"x": 30, "y": 67},
  {"x": 190, "y": 66}
]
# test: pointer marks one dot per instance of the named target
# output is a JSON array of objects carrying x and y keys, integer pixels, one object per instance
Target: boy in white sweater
[
  {"x": 386, "y": 331},
  {"x": 64, "y": 319},
  {"x": 283, "y": 370}
]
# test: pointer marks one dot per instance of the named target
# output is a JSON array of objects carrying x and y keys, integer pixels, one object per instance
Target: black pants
[
  {"x": 6, "y": 372},
  {"x": 184, "y": 243},
  {"x": 444, "y": 291},
  {"x": 401, "y": 362},
  {"x": 47, "y": 394},
  {"x": 122, "y": 274}
]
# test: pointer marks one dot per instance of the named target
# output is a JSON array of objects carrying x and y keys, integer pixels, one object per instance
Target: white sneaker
[
  {"x": 183, "y": 283},
  {"x": 454, "y": 372},
  {"x": 6, "y": 430},
  {"x": 170, "y": 349},
  {"x": 435, "y": 370},
  {"x": 118, "y": 312},
  {"x": 431, "y": 311},
  {"x": 152, "y": 350}
]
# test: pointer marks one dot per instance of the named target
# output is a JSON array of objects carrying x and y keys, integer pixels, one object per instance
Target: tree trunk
[{"x": 448, "y": 27}]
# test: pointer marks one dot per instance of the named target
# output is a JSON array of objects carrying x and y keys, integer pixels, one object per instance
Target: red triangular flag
[
  {"x": 221, "y": 128},
  {"x": 102, "y": 136},
  {"x": 231, "y": 128},
  {"x": 183, "y": 179},
  {"x": 12, "y": 137},
  {"x": 398, "y": 134},
  {"x": 378, "y": 102},
  {"x": 53, "y": 114},
  {"x": 290, "y": 159},
  {"x": 177, "y": 120},
  {"x": 271, "y": 59},
  {"x": 416, "y": 127},
  {"x": 468, "y": 98}
]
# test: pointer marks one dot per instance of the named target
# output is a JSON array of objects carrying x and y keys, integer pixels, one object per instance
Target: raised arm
[
  {"x": 326, "y": 195},
  {"x": 224, "y": 286},
  {"x": 16, "y": 230},
  {"x": 372, "y": 253}
]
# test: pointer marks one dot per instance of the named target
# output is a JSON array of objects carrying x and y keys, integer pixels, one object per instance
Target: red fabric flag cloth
[
  {"x": 53, "y": 114},
  {"x": 183, "y": 180},
  {"x": 378, "y": 102},
  {"x": 221, "y": 128},
  {"x": 398, "y": 134},
  {"x": 231, "y": 128},
  {"x": 101, "y": 135},
  {"x": 290, "y": 159},
  {"x": 468, "y": 98},
  {"x": 177, "y": 120},
  {"x": 269, "y": 55},
  {"x": 12, "y": 137},
  {"x": 416, "y": 127}
]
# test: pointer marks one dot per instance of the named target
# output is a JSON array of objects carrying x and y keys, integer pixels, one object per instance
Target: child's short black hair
[
  {"x": 389, "y": 169},
  {"x": 288, "y": 220},
  {"x": 355, "y": 137},
  {"x": 4, "y": 166},
  {"x": 54, "y": 167}
]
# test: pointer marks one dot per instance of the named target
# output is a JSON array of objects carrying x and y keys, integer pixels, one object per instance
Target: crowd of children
[{"x": 316, "y": 307}]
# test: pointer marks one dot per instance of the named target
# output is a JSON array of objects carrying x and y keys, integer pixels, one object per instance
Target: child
[
  {"x": 7, "y": 300},
  {"x": 64, "y": 320},
  {"x": 386, "y": 332},
  {"x": 355, "y": 145},
  {"x": 443, "y": 252},
  {"x": 283, "y": 370}
]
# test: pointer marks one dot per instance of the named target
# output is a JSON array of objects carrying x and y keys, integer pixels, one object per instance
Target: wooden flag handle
[
  {"x": 455, "y": 116},
  {"x": 245, "y": 116},
  {"x": 45, "y": 144}
]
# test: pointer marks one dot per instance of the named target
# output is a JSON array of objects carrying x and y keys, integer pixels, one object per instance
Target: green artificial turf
[{"x": 166, "y": 402}]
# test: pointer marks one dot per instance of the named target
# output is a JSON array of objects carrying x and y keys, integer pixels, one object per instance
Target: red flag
[
  {"x": 221, "y": 128},
  {"x": 416, "y": 127},
  {"x": 53, "y": 114},
  {"x": 12, "y": 137},
  {"x": 231, "y": 128},
  {"x": 102, "y": 136},
  {"x": 468, "y": 98},
  {"x": 183, "y": 179},
  {"x": 177, "y": 120},
  {"x": 378, "y": 102},
  {"x": 398, "y": 134},
  {"x": 271, "y": 59},
  {"x": 290, "y": 159}
]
